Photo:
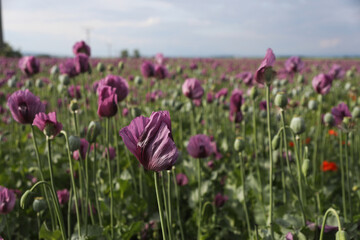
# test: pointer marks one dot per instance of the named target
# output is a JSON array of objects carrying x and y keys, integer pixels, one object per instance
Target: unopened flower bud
[
  {"x": 281, "y": 100},
  {"x": 121, "y": 65},
  {"x": 26, "y": 199},
  {"x": 110, "y": 68},
  {"x": 305, "y": 167},
  {"x": 244, "y": 108},
  {"x": 275, "y": 142},
  {"x": 346, "y": 120},
  {"x": 269, "y": 75},
  {"x": 301, "y": 79},
  {"x": 328, "y": 119},
  {"x": 297, "y": 125},
  {"x": 312, "y": 105},
  {"x": 74, "y": 106},
  {"x": 100, "y": 67},
  {"x": 94, "y": 130},
  {"x": 39, "y": 204},
  {"x": 28, "y": 84},
  {"x": 74, "y": 143},
  {"x": 54, "y": 70},
  {"x": 239, "y": 144},
  {"x": 138, "y": 80},
  {"x": 39, "y": 83},
  {"x": 64, "y": 79},
  {"x": 253, "y": 93},
  {"x": 342, "y": 235},
  {"x": 356, "y": 112},
  {"x": 135, "y": 112},
  {"x": 350, "y": 74}
]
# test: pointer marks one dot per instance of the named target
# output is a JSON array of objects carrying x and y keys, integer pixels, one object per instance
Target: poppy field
[{"x": 175, "y": 148}]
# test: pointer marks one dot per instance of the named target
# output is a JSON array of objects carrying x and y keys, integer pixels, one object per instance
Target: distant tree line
[{"x": 125, "y": 53}]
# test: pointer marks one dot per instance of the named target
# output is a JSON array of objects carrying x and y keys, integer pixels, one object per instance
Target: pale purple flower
[
  {"x": 339, "y": 112},
  {"x": 29, "y": 65},
  {"x": 336, "y": 72},
  {"x": 221, "y": 93},
  {"x": 7, "y": 200},
  {"x": 81, "y": 47},
  {"x": 160, "y": 72},
  {"x": 268, "y": 62},
  {"x": 107, "y": 102},
  {"x": 294, "y": 64},
  {"x": 63, "y": 196},
  {"x": 289, "y": 236},
  {"x": 81, "y": 153},
  {"x": 322, "y": 83},
  {"x": 147, "y": 69},
  {"x": 192, "y": 88},
  {"x": 81, "y": 62},
  {"x": 120, "y": 84},
  {"x": 199, "y": 146},
  {"x": 68, "y": 67},
  {"x": 182, "y": 179},
  {"x": 48, "y": 124}
]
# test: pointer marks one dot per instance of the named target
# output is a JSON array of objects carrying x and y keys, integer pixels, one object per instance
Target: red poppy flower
[
  {"x": 333, "y": 132},
  {"x": 329, "y": 166},
  {"x": 291, "y": 144}
]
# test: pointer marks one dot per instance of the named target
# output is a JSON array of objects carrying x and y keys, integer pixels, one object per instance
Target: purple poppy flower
[
  {"x": 125, "y": 112},
  {"x": 294, "y": 64},
  {"x": 267, "y": 63},
  {"x": 159, "y": 58},
  {"x": 63, "y": 196},
  {"x": 322, "y": 83},
  {"x": 220, "y": 200},
  {"x": 336, "y": 72},
  {"x": 262, "y": 105},
  {"x": 199, "y": 146},
  {"x": 209, "y": 98},
  {"x": 192, "y": 88},
  {"x": 82, "y": 151},
  {"x": 217, "y": 154},
  {"x": 107, "y": 102},
  {"x": 120, "y": 84},
  {"x": 7, "y": 200},
  {"x": 112, "y": 153},
  {"x": 81, "y": 47},
  {"x": 68, "y": 67},
  {"x": 340, "y": 112},
  {"x": 327, "y": 228},
  {"x": 29, "y": 65},
  {"x": 81, "y": 62},
  {"x": 181, "y": 179},
  {"x": 151, "y": 141},
  {"x": 289, "y": 236},
  {"x": 221, "y": 93},
  {"x": 160, "y": 72},
  {"x": 74, "y": 91},
  {"x": 236, "y": 101},
  {"x": 147, "y": 69},
  {"x": 247, "y": 78},
  {"x": 193, "y": 66},
  {"x": 211, "y": 164},
  {"x": 48, "y": 124},
  {"x": 24, "y": 106}
]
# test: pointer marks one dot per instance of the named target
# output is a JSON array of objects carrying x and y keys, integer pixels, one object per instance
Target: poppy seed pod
[
  {"x": 356, "y": 112},
  {"x": 254, "y": 93},
  {"x": 239, "y": 144},
  {"x": 39, "y": 83},
  {"x": 64, "y": 79},
  {"x": 121, "y": 65},
  {"x": 54, "y": 70},
  {"x": 342, "y": 235},
  {"x": 275, "y": 143},
  {"x": 74, "y": 143},
  {"x": 74, "y": 106},
  {"x": 298, "y": 125},
  {"x": 94, "y": 130},
  {"x": 39, "y": 204},
  {"x": 281, "y": 100},
  {"x": 100, "y": 67},
  {"x": 312, "y": 105},
  {"x": 329, "y": 119},
  {"x": 138, "y": 80},
  {"x": 305, "y": 167}
]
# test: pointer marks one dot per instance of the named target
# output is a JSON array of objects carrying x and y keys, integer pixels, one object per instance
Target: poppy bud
[
  {"x": 110, "y": 68},
  {"x": 26, "y": 199},
  {"x": 39, "y": 204},
  {"x": 297, "y": 125},
  {"x": 12, "y": 82},
  {"x": 94, "y": 130},
  {"x": 356, "y": 112},
  {"x": 60, "y": 88},
  {"x": 346, "y": 121},
  {"x": 135, "y": 112},
  {"x": 244, "y": 108},
  {"x": 312, "y": 105},
  {"x": 281, "y": 100},
  {"x": 74, "y": 106},
  {"x": 275, "y": 142},
  {"x": 74, "y": 143},
  {"x": 54, "y": 70},
  {"x": 350, "y": 73},
  {"x": 305, "y": 167},
  {"x": 253, "y": 93},
  {"x": 64, "y": 79},
  {"x": 100, "y": 67},
  {"x": 39, "y": 83},
  {"x": 239, "y": 144},
  {"x": 341, "y": 235},
  {"x": 28, "y": 84},
  {"x": 329, "y": 119},
  {"x": 138, "y": 80},
  {"x": 301, "y": 79},
  {"x": 121, "y": 65}
]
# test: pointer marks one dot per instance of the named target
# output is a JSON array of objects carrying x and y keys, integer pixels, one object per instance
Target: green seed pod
[
  {"x": 301, "y": 79},
  {"x": 244, "y": 108},
  {"x": 64, "y": 79},
  {"x": 312, "y": 105},
  {"x": 110, "y": 68},
  {"x": 356, "y": 112},
  {"x": 328, "y": 119},
  {"x": 74, "y": 143},
  {"x": 275, "y": 143},
  {"x": 94, "y": 130},
  {"x": 39, "y": 83},
  {"x": 138, "y": 80},
  {"x": 39, "y": 204},
  {"x": 239, "y": 144},
  {"x": 281, "y": 100},
  {"x": 342, "y": 235},
  {"x": 121, "y": 65},
  {"x": 12, "y": 82},
  {"x": 179, "y": 70},
  {"x": 305, "y": 167},
  {"x": 60, "y": 88},
  {"x": 100, "y": 67},
  {"x": 74, "y": 106},
  {"x": 135, "y": 112},
  {"x": 269, "y": 75},
  {"x": 297, "y": 125},
  {"x": 54, "y": 70},
  {"x": 253, "y": 93},
  {"x": 26, "y": 199},
  {"x": 28, "y": 84}
]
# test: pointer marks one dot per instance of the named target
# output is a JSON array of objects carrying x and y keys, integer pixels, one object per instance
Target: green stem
[
  {"x": 330, "y": 210},
  {"x": 342, "y": 176},
  {"x": 348, "y": 184},
  {"x": 56, "y": 200},
  {"x": 160, "y": 207},
  {"x": 69, "y": 212},
  {"x": 87, "y": 184},
  {"x": 178, "y": 204},
  {"x": 7, "y": 227},
  {"x": 166, "y": 205},
  {"x": 283, "y": 180},
  {"x": 96, "y": 187},
  {"x": 110, "y": 180},
  {"x": 242, "y": 169},
  {"x": 169, "y": 202},
  {"x": 270, "y": 159},
  {"x": 298, "y": 165},
  {"x": 73, "y": 182},
  {"x": 117, "y": 148},
  {"x": 199, "y": 195},
  {"x": 76, "y": 124},
  {"x": 318, "y": 131}
]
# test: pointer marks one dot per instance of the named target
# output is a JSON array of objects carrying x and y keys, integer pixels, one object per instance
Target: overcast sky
[{"x": 185, "y": 27}]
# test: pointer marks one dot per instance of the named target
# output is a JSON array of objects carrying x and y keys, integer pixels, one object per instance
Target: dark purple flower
[
  {"x": 24, "y": 106},
  {"x": 220, "y": 200},
  {"x": 221, "y": 93},
  {"x": 151, "y": 141},
  {"x": 7, "y": 200},
  {"x": 192, "y": 88},
  {"x": 82, "y": 151},
  {"x": 211, "y": 164},
  {"x": 29, "y": 65},
  {"x": 181, "y": 179},
  {"x": 48, "y": 124},
  {"x": 81, "y": 47},
  {"x": 125, "y": 112},
  {"x": 74, "y": 91},
  {"x": 147, "y": 69},
  {"x": 336, "y": 72},
  {"x": 193, "y": 66},
  {"x": 209, "y": 97},
  {"x": 199, "y": 146},
  {"x": 294, "y": 64},
  {"x": 262, "y": 105},
  {"x": 120, "y": 84},
  {"x": 267, "y": 63},
  {"x": 289, "y": 236},
  {"x": 236, "y": 100},
  {"x": 327, "y": 228},
  {"x": 160, "y": 72},
  {"x": 247, "y": 78},
  {"x": 322, "y": 83},
  {"x": 68, "y": 68},
  {"x": 217, "y": 154},
  {"x": 340, "y": 112},
  {"x": 112, "y": 153},
  {"x": 63, "y": 196},
  {"x": 81, "y": 62},
  {"x": 107, "y": 102}
]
